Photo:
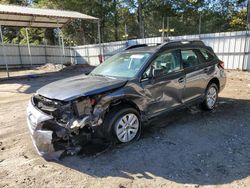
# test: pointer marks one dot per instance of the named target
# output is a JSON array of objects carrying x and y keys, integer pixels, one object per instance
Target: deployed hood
[{"x": 74, "y": 87}]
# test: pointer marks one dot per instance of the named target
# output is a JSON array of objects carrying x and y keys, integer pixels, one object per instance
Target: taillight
[{"x": 221, "y": 64}]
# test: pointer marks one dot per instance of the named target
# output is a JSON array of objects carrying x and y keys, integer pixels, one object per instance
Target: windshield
[{"x": 125, "y": 65}]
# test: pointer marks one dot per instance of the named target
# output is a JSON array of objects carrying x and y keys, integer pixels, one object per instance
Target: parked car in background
[{"x": 120, "y": 96}]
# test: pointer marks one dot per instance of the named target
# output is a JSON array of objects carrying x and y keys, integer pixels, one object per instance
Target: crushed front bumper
[
  {"x": 52, "y": 138},
  {"x": 42, "y": 139}
]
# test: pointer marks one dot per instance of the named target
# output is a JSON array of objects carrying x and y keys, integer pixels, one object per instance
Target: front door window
[{"x": 164, "y": 64}]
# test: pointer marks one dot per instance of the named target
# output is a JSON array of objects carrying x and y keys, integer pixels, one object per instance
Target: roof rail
[
  {"x": 194, "y": 42},
  {"x": 136, "y": 46},
  {"x": 181, "y": 42}
]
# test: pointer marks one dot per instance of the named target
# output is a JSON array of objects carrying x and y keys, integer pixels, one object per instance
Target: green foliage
[
  {"x": 238, "y": 21},
  {"x": 140, "y": 17},
  {"x": 16, "y": 2}
]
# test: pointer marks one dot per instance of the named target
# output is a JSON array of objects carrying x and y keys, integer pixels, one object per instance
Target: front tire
[
  {"x": 124, "y": 124},
  {"x": 211, "y": 97}
]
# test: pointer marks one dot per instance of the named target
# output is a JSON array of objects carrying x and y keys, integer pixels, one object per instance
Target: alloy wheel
[
  {"x": 127, "y": 127},
  {"x": 211, "y": 97}
]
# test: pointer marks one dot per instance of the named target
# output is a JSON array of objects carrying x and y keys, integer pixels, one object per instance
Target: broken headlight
[{"x": 61, "y": 111}]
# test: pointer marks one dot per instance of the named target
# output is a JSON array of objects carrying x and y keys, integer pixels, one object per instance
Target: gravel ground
[{"x": 188, "y": 148}]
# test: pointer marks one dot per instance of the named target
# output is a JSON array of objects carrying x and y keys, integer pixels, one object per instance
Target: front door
[{"x": 163, "y": 82}]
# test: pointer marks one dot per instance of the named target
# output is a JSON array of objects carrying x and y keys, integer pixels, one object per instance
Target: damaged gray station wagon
[{"x": 121, "y": 95}]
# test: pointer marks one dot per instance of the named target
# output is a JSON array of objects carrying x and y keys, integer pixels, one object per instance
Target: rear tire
[
  {"x": 122, "y": 124},
  {"x": 211, "y": 97}
]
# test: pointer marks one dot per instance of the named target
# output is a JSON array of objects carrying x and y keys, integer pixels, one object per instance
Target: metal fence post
[
  {"x": 4, "y": 54},
  {"x": 45, "y": 53},
  {"x": 63, "y": 48},
  {"x": 228, "y": 50},
  {"x": 28, "y": 43},
  {"x": 59, "y": 44},
  {"x": 88, "y": 55},
  {"x": 71, "y": 55},
  {"x": 75, "y": 60},
  {"x": 223, "y": 49},
  {"x": 241, "y": 46},
  {"x": 234, "y": 52},
  {"x": 20, "y": 55},
  {"x": 244, "y": 65}
]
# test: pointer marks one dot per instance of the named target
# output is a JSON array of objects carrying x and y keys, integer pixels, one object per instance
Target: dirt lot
[
  {"x": 188, "y": 148},
  {"x": 35, "y": 71}
]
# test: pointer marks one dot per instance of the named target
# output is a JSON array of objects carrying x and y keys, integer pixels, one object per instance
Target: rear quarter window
[{"x": 206, "y": 55}]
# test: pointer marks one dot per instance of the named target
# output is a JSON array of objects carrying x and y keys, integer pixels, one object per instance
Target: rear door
[
  {"x": 163, "y": 82},
  {"x": 197, "y": 71}
]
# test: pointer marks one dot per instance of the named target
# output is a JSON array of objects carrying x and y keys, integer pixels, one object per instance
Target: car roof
[{"x": 173, "y": 44}]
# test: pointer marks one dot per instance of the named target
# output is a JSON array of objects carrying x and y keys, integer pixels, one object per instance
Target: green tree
[
  {"x": 137, "y": 18},
  {"x": 238, "y": 20}
]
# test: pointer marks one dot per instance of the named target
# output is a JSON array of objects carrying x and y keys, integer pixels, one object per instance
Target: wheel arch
[
  {"x": 215, "y": 81},
  {"x": 124, "y": 102},
  {"x": 115, "y": 106}
]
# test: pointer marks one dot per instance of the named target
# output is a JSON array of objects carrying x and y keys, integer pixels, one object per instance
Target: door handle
[{"x": 181, "y": 80}]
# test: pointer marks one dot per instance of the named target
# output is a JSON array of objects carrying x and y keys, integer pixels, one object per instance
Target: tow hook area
[
  {"x": 52, "y": 140},
  {"x": 78, "y": 124}
]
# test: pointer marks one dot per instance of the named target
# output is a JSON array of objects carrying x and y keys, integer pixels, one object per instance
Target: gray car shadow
[{"x": 188, "y": 146}]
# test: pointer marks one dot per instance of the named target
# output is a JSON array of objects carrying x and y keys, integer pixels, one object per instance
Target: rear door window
[{"x": 189, "y": 58}]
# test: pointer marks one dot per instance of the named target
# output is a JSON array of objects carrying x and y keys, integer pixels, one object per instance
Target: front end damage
[{"x": 59, "y": 127}]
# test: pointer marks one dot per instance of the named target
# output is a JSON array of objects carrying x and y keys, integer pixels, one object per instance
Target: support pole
[
  {"x": 59, "y": 42},
  {"x": 71, "y": 55},
  {"x": 87, "y": 50},
  {"x": 20, "y": 55},
  {"x": 28, "y": 43},
  {"x": 200, "y": 26},
  {"x": 168, "y": 26},
  {"x": 126, "y": 31},
  {"x": 163, "y": 29},
  {"x": 4, "y": 54},
  {"x": 246, "y": 48},
  {"x": 63, "y": 48},
  {"x": 45, "y": 53},
  {"x": 99, "y": 37}
]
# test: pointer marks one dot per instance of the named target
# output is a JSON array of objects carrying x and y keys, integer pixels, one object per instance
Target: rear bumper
[{"x": 222, "y": 80}]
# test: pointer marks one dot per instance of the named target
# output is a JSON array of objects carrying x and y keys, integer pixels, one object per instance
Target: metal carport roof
[
  {"x": 11, "y": 15},
  {"x": 20, "y": 16}
]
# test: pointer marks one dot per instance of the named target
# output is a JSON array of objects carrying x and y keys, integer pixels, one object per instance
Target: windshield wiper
[{"x": 102, "y": 75}]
